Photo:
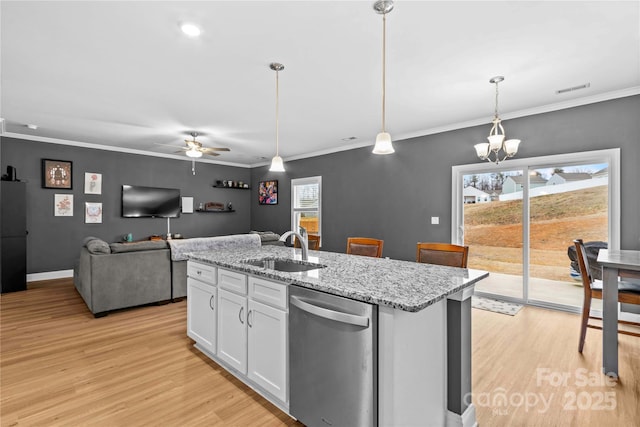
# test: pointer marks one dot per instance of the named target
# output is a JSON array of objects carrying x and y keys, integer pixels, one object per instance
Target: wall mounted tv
[{"x": 140, "y": 202}]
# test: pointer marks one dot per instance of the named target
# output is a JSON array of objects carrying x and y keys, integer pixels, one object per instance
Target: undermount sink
[{"x": 284, "y": 264}]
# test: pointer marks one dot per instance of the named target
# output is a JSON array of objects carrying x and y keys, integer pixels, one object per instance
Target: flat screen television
[{"x": 141, "y": 202}]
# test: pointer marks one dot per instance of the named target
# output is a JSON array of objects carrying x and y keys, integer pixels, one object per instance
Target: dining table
[{"x": 616, "y": 264}]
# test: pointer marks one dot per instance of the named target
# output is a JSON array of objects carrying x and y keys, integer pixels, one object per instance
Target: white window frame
[{"x": 294, "y": 210}]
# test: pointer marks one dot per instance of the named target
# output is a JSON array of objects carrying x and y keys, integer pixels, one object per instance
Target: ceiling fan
[{"x": 195, "y": 149}]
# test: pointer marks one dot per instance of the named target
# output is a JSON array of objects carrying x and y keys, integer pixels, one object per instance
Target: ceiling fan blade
[
  {"x": 210, "y": 154},
  {"x": 217, "y": 148}
]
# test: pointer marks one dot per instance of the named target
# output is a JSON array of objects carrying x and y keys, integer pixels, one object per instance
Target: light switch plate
[{"x": 435, "y": 220}]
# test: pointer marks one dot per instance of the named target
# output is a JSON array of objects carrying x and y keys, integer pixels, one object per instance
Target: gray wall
[
  {"x": 393, "y": 197},
  {"x": 390, "y": 197},
  {"x": 53, "y": 243}
]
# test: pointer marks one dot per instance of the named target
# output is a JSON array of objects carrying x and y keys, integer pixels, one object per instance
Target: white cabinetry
[
  {"x": 268, "y": 336},
  {"x": 232, "y": 330},
  {"x": 201, "y": 305},
  {"x": 252, "y": 330}
]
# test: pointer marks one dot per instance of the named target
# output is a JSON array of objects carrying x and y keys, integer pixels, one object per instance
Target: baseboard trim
[
  {"x": 467, "y": 419},
  {"x": 49, "y": 275}
]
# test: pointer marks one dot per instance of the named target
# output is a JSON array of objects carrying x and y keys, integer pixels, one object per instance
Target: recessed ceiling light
[
  {"x": 33, "y": 127},
  {"x": 190, "y": 29}
]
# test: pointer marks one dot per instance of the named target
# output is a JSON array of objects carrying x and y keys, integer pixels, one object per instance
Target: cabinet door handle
[
  {"x": 249, "y": 318},
  {"x": 210, "y": 303},
  {"x": 240, "y": 315}
]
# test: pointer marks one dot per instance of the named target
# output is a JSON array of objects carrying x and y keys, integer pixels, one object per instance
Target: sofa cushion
[
  {"x": 181, "y": 247},
  {"x": 146, "y": 245},
  {"x": 97, "y": 246},
  {"x": 266, "y": 236}
]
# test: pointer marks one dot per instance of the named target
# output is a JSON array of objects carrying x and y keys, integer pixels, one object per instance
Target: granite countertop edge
[{"x": 237, "y": 263}]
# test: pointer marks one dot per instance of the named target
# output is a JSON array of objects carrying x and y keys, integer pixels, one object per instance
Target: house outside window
[{"x": 306, "y": 205}]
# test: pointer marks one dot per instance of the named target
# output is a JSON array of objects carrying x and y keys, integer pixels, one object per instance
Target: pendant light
[
  {"x": 490, "y": 151},
  {"x": 276, "y": 162},
  {"x": 383, "y": 139}
]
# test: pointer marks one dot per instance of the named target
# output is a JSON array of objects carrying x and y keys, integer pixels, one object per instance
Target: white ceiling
[{"x": 121, "y": 74}]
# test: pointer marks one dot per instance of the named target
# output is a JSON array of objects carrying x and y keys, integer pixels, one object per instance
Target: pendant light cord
[
  {"x": 277, "y": 114},
  {"x": 384, "y": 62}
]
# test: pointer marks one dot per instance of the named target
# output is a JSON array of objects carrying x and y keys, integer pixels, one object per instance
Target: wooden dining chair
[
  {"x": 628, "y": 293},
  {"x": 365, "y": 246},
  {"x": 312, "y": 240},
  {"x": 442, "y": 254}
]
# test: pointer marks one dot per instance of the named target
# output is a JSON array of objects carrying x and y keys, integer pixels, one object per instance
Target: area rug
[{"x": 496, "y": 306}]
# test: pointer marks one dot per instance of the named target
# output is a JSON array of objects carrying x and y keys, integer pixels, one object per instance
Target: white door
[
  {"x": 232, "y": 330},
  {"x": 201, "y": 314},
  {"x": 268, "y": 348}
]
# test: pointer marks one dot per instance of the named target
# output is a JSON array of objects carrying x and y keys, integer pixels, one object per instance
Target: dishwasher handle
[{"x": 338, "y": 316}]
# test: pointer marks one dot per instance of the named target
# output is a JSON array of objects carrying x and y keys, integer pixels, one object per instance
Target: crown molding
[{"x": 577, "y": 102}]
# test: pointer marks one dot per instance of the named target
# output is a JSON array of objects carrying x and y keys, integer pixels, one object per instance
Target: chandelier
[{"x": 491, "y": 151}]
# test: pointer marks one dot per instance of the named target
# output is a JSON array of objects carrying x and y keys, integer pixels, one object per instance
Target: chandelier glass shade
[{"x": 497, "y": 149}]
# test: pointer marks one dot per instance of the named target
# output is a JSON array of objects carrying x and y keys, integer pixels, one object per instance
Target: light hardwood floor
[{"x": 60, "y": 366}]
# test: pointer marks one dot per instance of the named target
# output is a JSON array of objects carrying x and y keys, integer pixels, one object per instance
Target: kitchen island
[{"x": 423, "y": 341}]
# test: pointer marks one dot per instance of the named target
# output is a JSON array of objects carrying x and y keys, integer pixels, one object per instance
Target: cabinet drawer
[
  {"x": 232, "y": 281},
  {"x": 268, "y": 292},
  {"x": 204, "y": 272}
]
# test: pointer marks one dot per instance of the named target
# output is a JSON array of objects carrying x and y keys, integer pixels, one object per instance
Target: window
[{"x": 306, "y": 205}]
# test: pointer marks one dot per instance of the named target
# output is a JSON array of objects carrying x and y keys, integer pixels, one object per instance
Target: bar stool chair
[
  {"x": 628, "y": 293},
  {"x": 442, "y": 254},
  {"x": 365, "y": 246}
]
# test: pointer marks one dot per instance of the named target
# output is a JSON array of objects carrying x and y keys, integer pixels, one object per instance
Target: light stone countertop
[{"x": 404, "y": 285}]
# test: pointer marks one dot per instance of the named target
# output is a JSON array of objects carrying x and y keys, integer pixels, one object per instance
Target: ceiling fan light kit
[
  {"x": 490, "y": 151},
  {"x": 276, "y": 163}
]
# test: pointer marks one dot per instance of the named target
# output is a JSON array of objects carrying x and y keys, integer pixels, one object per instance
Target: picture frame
[
  {"x": 57, "y": 174},
  {"x": 268, "y": 192},
  {"x": 93, "y": 213},
  {"x": 92, "y": 183},
  {"x": 63, "y": 205}
]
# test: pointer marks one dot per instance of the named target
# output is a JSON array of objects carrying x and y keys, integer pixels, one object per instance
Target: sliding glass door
[
  {"x": 493, "y": 230},
  {"x": 519, "y": 219},
  {"x": 570, "y": 202}
]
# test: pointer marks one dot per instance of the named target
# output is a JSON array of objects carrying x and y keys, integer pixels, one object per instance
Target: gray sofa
[{"x": 121, "y": 275}]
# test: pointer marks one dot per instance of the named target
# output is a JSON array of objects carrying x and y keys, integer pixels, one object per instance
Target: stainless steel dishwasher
[{"x": 333, "y": 364}]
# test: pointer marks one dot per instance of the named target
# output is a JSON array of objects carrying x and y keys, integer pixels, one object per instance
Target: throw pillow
[{"x": 98, "y": 246}]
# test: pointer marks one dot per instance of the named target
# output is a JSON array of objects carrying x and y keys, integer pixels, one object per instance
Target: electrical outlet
[{"x": 435, "y": 220}]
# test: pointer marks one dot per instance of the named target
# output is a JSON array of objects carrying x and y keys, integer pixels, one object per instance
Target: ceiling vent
[{"x": 571, "y": 89}]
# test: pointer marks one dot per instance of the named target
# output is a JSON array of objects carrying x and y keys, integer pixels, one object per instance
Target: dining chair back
[
  {"x": 628, "y": 292},
  {"x": 442, "y": 254},
  {"x": 312, "y": 240},
  {"x": 365, "y": 246}
]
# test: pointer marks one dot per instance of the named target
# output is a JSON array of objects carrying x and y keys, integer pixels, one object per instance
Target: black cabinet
[{"x": 13, "y": 244}]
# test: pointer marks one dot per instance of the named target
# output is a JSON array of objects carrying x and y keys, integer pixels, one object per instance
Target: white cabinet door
[
  {"x": 268, "y": 348},
  {"x": 201, "y": 313},
  {"x": 232, "y": 330}
]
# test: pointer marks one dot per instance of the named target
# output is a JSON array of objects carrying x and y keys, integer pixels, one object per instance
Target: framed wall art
[
  {"x": 56, "y": 174},
  {"x": 63, "y": 205},
  {"x": 268, "y": 193},
  {"x": 92, "y": 183},
  {"x": 92, "y": 213}
]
